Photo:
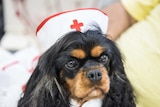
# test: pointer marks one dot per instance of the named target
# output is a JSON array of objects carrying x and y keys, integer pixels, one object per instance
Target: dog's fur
[{"x": 62, "y": 73}]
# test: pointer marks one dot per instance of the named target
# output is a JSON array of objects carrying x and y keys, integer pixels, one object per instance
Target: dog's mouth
[
  {"x": 86, "y": 92},
  {"x": 86, "y": 87},
  {"x": 96, "y": 92},
  {"x": 92, "y": 93}
]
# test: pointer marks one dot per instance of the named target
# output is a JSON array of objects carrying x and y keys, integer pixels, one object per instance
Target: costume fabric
[{"x": 140, "y": 46}]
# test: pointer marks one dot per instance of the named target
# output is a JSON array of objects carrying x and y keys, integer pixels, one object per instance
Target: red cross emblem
[{"x": 76, "y": 25}]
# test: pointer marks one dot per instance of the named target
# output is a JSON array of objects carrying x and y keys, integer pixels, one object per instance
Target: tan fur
[
  {"x": 82, "y": 89},
  {"x": 97, "y": 51},
  {"x": 78, "y": 53}
]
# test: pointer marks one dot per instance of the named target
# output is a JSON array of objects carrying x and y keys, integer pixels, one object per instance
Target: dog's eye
[
  {"x": 104, "y": 59},
  {"x": 71, "y": 64}
]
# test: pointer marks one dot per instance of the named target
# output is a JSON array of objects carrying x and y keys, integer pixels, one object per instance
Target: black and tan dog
[{"x": 79, "y": 66}]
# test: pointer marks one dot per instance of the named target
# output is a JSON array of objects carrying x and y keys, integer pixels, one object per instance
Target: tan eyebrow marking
[
  {"x": 78, "y": 53},
  {"x": 97, "y": 51}
]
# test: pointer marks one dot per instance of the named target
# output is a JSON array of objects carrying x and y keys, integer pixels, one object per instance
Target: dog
[{"x": 79, "y": 67}]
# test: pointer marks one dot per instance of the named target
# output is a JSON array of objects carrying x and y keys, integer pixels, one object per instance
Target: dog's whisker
[
  {"x": 120, "y": 78},
  {"x": 60, "y": 90}
]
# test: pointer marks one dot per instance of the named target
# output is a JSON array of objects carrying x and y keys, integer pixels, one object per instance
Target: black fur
[{"x": 42, "y": 91}]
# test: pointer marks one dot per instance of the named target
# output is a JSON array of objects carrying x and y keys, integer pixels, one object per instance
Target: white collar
[{"x": 90, "y": 103}]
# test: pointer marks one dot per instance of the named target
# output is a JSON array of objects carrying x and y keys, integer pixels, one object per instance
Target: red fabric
[{"x": 10, "y": 64}]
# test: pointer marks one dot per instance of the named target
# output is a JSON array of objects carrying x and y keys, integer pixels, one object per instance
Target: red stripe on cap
[{"x": 50, "y": 17}]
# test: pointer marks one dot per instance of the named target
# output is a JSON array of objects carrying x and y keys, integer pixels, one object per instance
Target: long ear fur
[
  {"x": 41, "y": 89},
  {"x": 121, "y": 91}
]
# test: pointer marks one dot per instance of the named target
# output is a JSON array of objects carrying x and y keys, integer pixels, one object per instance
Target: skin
[{"x": 119, "y": 19}]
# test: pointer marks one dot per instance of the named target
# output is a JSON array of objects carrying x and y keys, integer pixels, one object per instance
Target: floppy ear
[
  {"x": 41, "y": 89},
  {"x": 121, "y": 92}
]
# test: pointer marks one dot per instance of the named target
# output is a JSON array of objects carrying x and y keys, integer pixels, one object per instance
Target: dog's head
[
  {"x": 79, "y": 66},
  {"x": 83, "y": 63}
]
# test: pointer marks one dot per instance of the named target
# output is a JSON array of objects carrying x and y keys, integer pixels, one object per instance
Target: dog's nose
[{"x": 94, "y": 75}]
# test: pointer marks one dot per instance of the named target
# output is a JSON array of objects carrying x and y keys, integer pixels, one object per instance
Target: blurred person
[{"x": 134, "y": 24}]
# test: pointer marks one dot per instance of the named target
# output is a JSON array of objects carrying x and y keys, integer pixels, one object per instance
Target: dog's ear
[
  {"x": 121, "y": 91},
  {"x": 41, "y": 89}
]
